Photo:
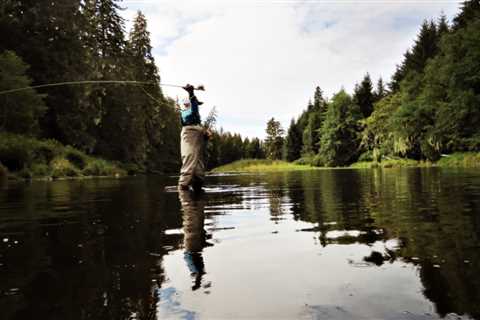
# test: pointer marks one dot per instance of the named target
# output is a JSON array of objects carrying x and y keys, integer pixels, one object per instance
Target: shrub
[
  {"x": 40, "y": 170},
  {"x": 318, "y": 161},
  {"x": 99, "y": 167},
  {"x": 45, "y": 151},
  {"x": 76, "y": 157},
  {"x": 63, "y": 168},
  {"x": 366, "y": 156},
  {"x": 15, "y": 152}
]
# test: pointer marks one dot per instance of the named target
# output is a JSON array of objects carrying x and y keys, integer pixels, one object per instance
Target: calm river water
[{"x": 328, "y": 244}]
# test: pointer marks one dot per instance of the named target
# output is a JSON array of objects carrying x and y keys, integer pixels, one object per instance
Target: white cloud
[{"x": 260, "y": 59}]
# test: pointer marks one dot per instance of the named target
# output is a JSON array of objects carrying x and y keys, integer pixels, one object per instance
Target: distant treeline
[
  {"x": 44, "y": 42},
  {"x": 431, "y": 106}
]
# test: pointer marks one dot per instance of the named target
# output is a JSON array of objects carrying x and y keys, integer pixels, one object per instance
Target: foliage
[
  {"x": 30, "y": 158},
  {"x": 293, "y": 142},
  {"x": 274, "y": 140},
  {"x": 364, "y": 96},
  {"x": 19, "y": 111},
  {"x": 256, "y": 165},
  {"x": 340, "y": 139}
]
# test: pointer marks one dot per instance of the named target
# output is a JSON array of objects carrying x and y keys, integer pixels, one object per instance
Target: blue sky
[{"x": 263, "y": 58}]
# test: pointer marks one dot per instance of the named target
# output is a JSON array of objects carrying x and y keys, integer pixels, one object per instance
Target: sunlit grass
[
  {"x": 258, "y": 165},
  {"x": 460, "y": 159}
]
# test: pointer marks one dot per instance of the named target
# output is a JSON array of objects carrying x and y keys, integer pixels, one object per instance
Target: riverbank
[
  {"x": 261, "y": 165},
  {"x": 459, "y": 159},
  {"x": 466, "y": 160},
  {"x": 28, "y": 158}
]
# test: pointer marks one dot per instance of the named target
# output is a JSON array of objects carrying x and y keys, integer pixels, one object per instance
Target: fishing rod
[{"x": 70, "y": 83}]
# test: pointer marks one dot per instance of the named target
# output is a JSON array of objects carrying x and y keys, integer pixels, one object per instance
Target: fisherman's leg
[{"x": 188, "y": 159}]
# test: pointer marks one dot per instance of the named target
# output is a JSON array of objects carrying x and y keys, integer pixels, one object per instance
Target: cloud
[{"x": 263, "y": 59}]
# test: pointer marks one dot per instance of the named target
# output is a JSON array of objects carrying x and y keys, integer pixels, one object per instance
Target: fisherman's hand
[{"x": 189, "y": 88}]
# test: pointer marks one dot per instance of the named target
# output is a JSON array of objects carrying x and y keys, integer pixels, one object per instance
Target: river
[{"x": 325, "y": 244}]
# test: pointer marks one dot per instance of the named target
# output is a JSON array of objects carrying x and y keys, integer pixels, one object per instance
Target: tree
[
  {"x": 293, "y": 142},
  {"x": 340, "y": 139},
  {"x": 415, "y": 60},
  {"x": 364, "y": 96},
  {"x": 19, "y": 111},
  {"x": 274, "y": 140},
  {"x": 313, "y": 122},
  {"x": 380, "y": 91}
]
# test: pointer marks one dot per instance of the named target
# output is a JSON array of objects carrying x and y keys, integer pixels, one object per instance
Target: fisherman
[{"x": 192, "y": 143}]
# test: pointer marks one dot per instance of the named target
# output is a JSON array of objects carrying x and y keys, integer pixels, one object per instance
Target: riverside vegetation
[
  {"x": 428, "y": 114},
  {"x": 134, "y": 127}
]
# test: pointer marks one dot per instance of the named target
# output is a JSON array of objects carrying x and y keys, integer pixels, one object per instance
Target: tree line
[
  {"x": 45, "y": 42},
  {"x": 429, "y": 108}
]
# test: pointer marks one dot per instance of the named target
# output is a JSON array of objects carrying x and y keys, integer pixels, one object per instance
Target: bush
[
  {"x": 366, "y": 156},
  {"x": 45, "y": 151},
  {"x": 63, "y": 168},
  {"x": 76, "y": 157},
  {"x": 99, "y": 167},
  {"x": 318, "y": 161},
  {"x": 15, "y": 152},
  {"x": 40, "y": 170}
]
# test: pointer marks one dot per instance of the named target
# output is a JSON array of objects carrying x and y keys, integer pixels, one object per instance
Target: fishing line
[{"x": 69, "y": 83}]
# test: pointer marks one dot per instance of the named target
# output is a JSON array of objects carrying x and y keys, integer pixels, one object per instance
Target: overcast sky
[{"x": 263, "y": 58}]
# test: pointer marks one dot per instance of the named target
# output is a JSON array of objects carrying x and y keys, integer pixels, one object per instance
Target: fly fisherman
[{"x": 192, "y": 143}]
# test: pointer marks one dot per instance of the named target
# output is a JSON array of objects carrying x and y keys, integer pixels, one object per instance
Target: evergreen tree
[
  {"x": 364, "y": 96},
  {"x": 469, "y": 12},
  {"x": 313, "y": 122},
  {"x": 340, "y": 139},
  {"x": 19, "y": 111},
  {"x": 380, "y": 91},
  {"x": 293, "y": 142},
  {"x": 415, "y": 60},
  {"x": 274, "y": 140}
]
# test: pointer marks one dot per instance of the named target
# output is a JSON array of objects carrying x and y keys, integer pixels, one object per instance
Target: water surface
[{"x": 330, "y": 244}]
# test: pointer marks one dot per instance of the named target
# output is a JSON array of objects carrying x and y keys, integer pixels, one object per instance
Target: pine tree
[
  {"x": 380, "y": 91},
  {"x": 293, "y": 142},
  {"x": 274, "y": 140},
  {"x": 469, "y": 12},
  {"x": 364, "y": 97}
]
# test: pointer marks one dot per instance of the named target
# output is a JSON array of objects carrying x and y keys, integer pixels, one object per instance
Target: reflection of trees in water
[{"x": 94, "y": 253}]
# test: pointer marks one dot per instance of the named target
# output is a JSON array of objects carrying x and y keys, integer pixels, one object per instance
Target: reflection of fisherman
[
  {"x": 192, "y": 143},
  {"x": 194, "y": 234}
]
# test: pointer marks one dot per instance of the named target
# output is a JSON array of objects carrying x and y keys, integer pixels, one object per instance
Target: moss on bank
[
  {"x": 260, "y": 165},
  {"x": 28, "y": 158}
]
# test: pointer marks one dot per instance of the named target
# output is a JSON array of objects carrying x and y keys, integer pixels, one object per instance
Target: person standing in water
[{"x": 192, "y": 173}]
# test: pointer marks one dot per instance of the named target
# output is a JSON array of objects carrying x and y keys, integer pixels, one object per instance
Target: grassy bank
[
  {"x": 27, "y": 158},
  {"x": 466, "y": 160},
  {"x": 460, "y": 159},
  {"x": 257, "y": 165}
]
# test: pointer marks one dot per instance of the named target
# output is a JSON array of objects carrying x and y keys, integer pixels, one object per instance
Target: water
[{"x": 332, "y": 244}]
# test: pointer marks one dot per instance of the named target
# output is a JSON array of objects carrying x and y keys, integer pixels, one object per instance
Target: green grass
[
  {"x": 28, "y": 158},
  {"x": 257, "y": 165},
  {"x": 460, "y": 159}
]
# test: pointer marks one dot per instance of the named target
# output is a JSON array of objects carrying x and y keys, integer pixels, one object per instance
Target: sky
[{"x": 260, "y": 59}]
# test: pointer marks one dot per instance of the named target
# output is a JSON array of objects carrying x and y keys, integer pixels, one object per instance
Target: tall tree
[
  {"x": 340, "y": 138},
  {"x": 274, "y": 140},
  {"x": 364, "y": 96},
  {"x": 293, "y": 142},
  {"x": 380, "y": 91}
]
